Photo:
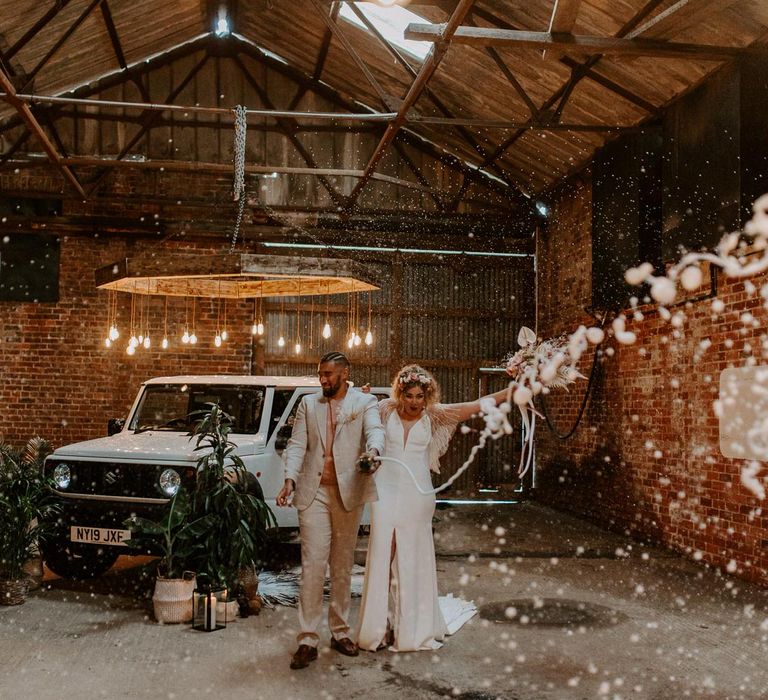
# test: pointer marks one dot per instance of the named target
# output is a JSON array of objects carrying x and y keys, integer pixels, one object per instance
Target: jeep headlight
[
  {"x": 169, "y": 481},
  {"x": 62, "y": 476}
]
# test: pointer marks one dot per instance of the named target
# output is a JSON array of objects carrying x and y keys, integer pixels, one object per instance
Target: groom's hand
[
  {"x": 285, "y": 493},
  {"x": 373, "y": 454}
]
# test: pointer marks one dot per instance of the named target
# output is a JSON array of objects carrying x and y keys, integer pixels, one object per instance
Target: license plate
[{"x": 99, "y": 535}]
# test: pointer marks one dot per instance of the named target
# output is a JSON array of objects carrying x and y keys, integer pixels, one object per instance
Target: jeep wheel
[{"x": 81, "y": 562}]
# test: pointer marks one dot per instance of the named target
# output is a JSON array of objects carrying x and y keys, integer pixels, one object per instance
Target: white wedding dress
[{"x": 419, "y": 618}]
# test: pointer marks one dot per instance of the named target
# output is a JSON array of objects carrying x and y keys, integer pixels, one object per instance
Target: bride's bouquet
[{"x": 544, "y": 364}]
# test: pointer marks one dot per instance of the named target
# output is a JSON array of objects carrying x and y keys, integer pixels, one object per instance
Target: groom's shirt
[{"x": 333, "y": 409}]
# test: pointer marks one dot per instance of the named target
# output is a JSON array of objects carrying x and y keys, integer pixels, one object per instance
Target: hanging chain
[{"x": 238, "y": 191}]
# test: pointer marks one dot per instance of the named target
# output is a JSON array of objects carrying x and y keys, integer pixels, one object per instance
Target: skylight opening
[{"x": 391, "y": 22}]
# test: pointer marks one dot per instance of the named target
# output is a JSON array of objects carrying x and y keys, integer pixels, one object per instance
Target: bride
[{"x": 401, "y": 552}]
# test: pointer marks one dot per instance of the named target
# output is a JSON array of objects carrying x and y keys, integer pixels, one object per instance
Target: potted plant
[
  {"x": 26, "y": 508},
  {"x": 171, "y": 535},
  {"x": 228, "y": 516}
]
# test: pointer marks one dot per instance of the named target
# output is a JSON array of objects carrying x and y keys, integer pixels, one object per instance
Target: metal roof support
[
  {"x": 33, "y": 125},
  {"x": 286, "y": 126},
  {"x": 54, "y": 10},
  {"x": 339, "y": 35},
  {"x": 417, "y": 87},
  {"x": 60, "y": 42}
]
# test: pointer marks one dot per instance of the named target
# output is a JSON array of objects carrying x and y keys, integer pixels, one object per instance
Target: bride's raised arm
[{"x": 464, "y": 411}]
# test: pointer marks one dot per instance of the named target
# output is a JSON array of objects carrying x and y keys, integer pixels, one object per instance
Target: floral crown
[{"x": 413, "y": 377}]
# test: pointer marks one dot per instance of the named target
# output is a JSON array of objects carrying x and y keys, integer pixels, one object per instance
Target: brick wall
[
  {"x": 58, "y": 379},
  {"x": 645, "y": 458}
]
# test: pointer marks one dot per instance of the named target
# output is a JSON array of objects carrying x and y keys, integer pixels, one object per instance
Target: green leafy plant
[
  {"x": 228, "y": 523},
  {"x": 172, "y": 534},
  {"x": 27, "y": 506}
]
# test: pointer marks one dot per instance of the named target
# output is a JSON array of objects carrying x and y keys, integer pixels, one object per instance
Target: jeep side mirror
[
  {"x": 282, "y": 437},
  {"x": 115, "y": 425}
]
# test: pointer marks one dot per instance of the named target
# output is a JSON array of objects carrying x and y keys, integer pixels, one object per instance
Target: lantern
[{"x": 208, "y": 612}]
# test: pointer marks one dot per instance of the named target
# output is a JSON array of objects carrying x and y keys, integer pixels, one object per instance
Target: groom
[{"x": 329, "y": 433}]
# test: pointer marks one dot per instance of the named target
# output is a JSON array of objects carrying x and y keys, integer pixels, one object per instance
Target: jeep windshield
[{"x": 177, "y": 407}]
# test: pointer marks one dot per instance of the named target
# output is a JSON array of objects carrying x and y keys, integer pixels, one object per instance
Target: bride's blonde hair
[{"x": 414, "y": 375}]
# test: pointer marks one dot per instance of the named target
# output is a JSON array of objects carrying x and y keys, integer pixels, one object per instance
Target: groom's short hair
[{"x": 338, "y": 358}]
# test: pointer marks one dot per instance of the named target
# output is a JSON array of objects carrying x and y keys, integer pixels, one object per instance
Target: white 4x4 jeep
[{"x": 103, "y": 482}]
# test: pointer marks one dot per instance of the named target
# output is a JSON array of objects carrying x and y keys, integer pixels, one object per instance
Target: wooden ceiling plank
[
  {"x": 344, "y": 41},
  {"x": 60, "y": 42},
  {"x": 56, "y": 7},
  {"x": 486, "y": 36},
  {"x": 287, "y": 127},
  {"x": 117, "y": 47},
  {"x": 34, "y": 126},
  {"x": 497, "y": 59},
  {"x": 612, "y": 86},
  {"x": 428, "y": 69},
  {"x": 323, "y": 53},
  {"x": 679, "y": 16},
  {"x": 563, "y": 19}
]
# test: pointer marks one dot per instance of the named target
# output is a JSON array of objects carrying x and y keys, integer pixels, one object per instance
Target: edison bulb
[
  {"x": 108, "y": 342},
  {"x": 114, "y": 334},
  {"x": 327, "y": 330},
  {"x": 164, "y": 343},
  {"x": 217, "y": 341},
  {"x": 281, "y": 342},
  {"x": 297, "y": 348},
  {"x": 254, "y": 329},
  {"x": 260, "y": 328},
  {"x": 350, "y": 342},
  {"x": 133, "y": 342},
  {"x": 193, "y": 339},
  {"x": 356, "y": 340},
  {"x": 224, "y": 335},
  {"x": 185, "y": 337},
  {"x": 147, "y": 343},
  {"x": 131, "y": 349},
  {"x": 141, "y": 339},
  {"x": 369, "y": 338}
]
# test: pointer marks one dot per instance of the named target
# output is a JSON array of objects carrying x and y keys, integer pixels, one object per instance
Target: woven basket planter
[
  {"x": 172, "y": 600},
  {"x": 13, "y": 591}
]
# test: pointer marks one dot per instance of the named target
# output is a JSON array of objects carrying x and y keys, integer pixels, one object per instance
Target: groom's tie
[{"x": 329, "y": 468}]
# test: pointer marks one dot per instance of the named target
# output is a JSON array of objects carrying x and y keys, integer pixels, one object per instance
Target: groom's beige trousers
[{"x": 328, "y": 533}]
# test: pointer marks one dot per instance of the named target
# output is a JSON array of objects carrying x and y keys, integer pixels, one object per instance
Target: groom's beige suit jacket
[{"x": 358, "y": 429}]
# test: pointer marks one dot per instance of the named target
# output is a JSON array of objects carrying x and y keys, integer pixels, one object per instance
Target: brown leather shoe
[
  {"x": 345, "y": 646},
  {"x": 304, "y": 655}
]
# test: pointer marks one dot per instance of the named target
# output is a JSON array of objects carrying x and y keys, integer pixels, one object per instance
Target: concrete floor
[{"x": 593, "y": 615}]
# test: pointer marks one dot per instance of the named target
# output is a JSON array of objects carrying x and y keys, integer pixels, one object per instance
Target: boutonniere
[{"x": 348, "y": 418}]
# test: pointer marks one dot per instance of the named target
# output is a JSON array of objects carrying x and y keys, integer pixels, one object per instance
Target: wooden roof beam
[
  {"x": 33, "y": 125},
  {"x": 485, "y": 36},
  {"x": 411, "y": 138},
  {"x": 609, "y": 84},
  {"x": 564, "y": 13},
  {"x": 428, "y": 69}
]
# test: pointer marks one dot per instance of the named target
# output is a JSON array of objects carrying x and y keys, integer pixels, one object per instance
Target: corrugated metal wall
[{"x": 451, "y": 315}]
